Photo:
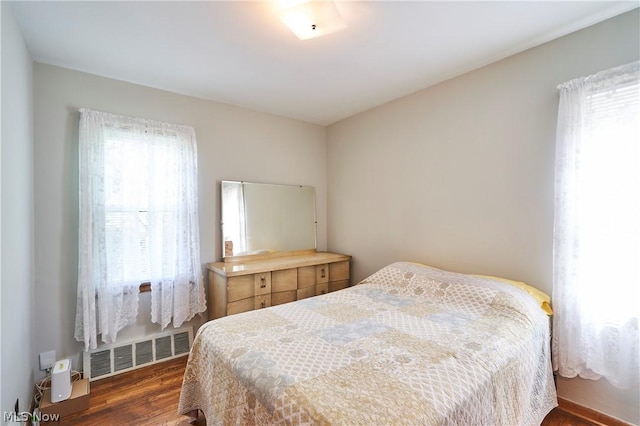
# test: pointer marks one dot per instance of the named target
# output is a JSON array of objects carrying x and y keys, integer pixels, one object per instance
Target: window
[
  {"x": 597, "y": 228},
  {"x": 138, "y": 224},
  {"x": 140, "y": 191}
]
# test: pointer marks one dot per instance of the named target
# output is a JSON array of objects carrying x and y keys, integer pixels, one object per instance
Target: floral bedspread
[{"x": 408, "y": 345}]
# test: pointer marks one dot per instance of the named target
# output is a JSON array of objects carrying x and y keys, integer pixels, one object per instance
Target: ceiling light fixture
[{"x": 310, "y": 18}]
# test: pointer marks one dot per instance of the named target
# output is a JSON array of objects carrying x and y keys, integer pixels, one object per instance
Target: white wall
[
  {"x": 16, "y": 270},
  {"x": 233, "y": 144},
  {"x": 460, "y": 175}
]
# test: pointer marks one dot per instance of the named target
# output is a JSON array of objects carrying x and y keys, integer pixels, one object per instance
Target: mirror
[{"x": 260, "y": 218}]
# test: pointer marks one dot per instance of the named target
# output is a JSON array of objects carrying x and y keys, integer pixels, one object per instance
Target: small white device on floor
[{"x": 61, "y": 380}]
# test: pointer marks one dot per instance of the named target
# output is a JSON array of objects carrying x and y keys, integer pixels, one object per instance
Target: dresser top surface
[{"x": 245, "y": 267}]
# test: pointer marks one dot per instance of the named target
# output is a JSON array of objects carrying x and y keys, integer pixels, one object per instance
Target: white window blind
[{"x": 140, "y": 192}]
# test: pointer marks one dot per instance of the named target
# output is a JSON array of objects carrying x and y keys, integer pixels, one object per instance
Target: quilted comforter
[{"x": 408, "y": 345}]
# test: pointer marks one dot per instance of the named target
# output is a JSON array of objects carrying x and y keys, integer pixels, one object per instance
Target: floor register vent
[{"x": 110, "y": 360}]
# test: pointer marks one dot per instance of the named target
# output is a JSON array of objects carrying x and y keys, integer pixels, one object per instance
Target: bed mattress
[{"x": 408, "y": 345}]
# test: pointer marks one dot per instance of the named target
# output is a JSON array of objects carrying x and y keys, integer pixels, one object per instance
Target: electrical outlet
[{"x": 47, "y": 359}]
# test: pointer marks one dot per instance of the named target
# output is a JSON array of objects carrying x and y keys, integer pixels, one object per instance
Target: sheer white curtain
[
  {"x": 234, "y": 221},
  {"x": 138, "y": 223},
  {"x": 596, "y": 288}
]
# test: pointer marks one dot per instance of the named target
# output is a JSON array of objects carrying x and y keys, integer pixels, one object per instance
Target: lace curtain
[
  {"x": 138, "y": 223},
  {"x": 596, "y": 274},
  {"x": 234, "y": 222}
]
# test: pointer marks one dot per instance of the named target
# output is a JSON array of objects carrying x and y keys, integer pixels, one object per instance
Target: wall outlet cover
[{"x": 47, "y": 359}]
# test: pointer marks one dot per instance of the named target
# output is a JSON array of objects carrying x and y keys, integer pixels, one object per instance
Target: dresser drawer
[
  {"x": 303, "y": 293},
  {"x": 262, "y": 283},
  {"x": 262, "y": 301},
  {"x": 285, "y": 280},
  {"x": 283, "y": 297},
  {"x": 306, "y": 276},
  {"x": 239, "y": 306},
  {"x": 240, "y": 287},
  {"x": 322, "y": 288},
  {"x": 338, "y": 285},
  {"x": 339, "y": 271}
]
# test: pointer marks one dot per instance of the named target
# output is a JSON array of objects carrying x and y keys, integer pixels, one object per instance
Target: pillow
[{"x": 540, "y": 296}]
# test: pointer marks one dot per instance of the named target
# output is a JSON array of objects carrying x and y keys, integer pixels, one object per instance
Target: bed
[{"x": 410, "y": 344}]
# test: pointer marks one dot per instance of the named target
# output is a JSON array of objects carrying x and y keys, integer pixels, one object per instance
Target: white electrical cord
[{"x": 45, "y": 384}]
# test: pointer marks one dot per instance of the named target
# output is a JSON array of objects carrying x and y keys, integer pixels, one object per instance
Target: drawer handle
[
  {"x": 263, "y": 282},
  {"x": 322, "y": 273},
  {"x": 263, "y": 304}
]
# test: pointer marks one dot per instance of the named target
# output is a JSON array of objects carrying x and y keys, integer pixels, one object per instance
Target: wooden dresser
[{"x": 241, "y": 286}]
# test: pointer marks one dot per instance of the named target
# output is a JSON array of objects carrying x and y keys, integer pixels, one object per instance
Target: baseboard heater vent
[{"x": 110, "y": 360}]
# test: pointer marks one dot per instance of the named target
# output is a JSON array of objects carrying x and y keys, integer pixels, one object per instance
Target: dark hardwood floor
[
  {"x": 558, "y": 417},
  {"x": 149, "y": 396}
]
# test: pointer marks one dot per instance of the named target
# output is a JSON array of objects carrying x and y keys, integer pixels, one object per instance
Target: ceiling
[{"x": 240, "y": 53}]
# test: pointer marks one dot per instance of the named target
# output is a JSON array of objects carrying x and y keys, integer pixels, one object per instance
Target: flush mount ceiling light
[{"x": 309, "y": 18}]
